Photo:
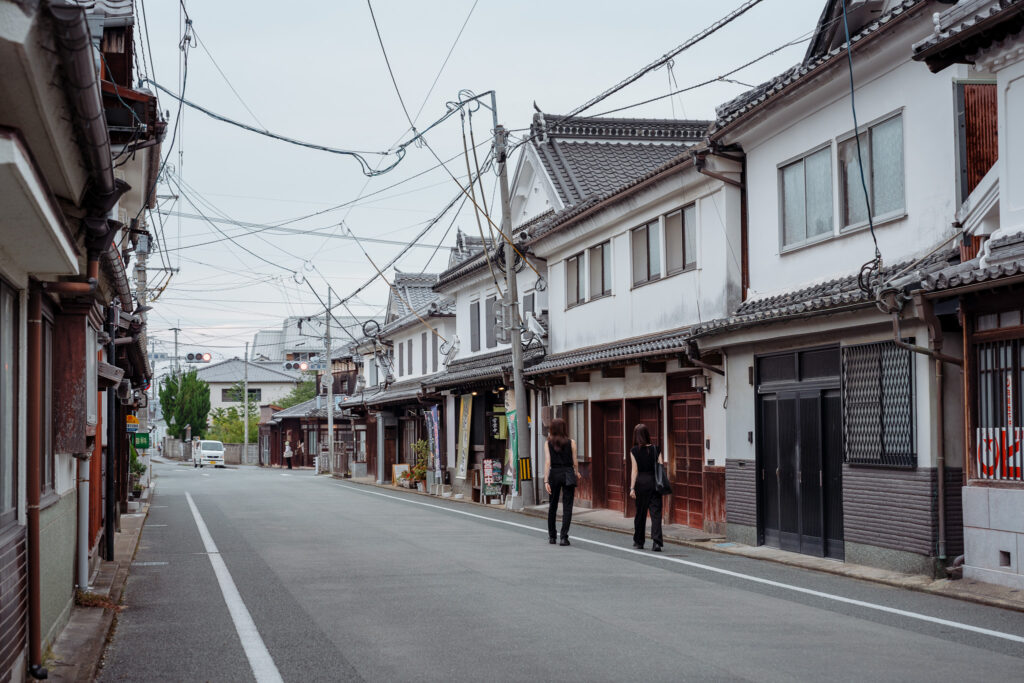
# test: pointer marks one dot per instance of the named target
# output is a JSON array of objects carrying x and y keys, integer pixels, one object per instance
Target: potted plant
[
  {"x": 419, "y": 470},
  {"x": 136, "y": 468}
]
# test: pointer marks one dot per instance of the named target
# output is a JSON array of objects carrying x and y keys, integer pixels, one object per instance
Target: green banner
[
  {"x": 512, "y": 453},
  {"x": 141, "y": 439}
]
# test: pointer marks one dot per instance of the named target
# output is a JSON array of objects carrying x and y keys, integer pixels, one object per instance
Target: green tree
[
  {"x": 303, "y": 391},
  {"x": 228, "y": 424},
  {"x": 186, "y": 401}
]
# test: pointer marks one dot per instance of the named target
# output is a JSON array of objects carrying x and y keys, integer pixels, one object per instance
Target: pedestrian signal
[{"x": 198, "y": 357}]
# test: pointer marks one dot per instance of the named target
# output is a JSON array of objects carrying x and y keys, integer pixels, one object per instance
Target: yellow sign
[{"x": 132, "y": 423}]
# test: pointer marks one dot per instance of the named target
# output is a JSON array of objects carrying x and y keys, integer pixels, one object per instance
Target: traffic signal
[
  {"x": 299, "y": 365},
  {"x": 198, "y": 357}
]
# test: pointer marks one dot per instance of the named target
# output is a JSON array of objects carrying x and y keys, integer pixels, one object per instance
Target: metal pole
[
  {"x": 177, "y": 365},
  {"x": 140, "y": 296},
  {"x": 110, "y": 502},
  {"x": 245, "y": 392},
  {"x": 330, "y": 390},
  {"x": 515, "y": 322}
]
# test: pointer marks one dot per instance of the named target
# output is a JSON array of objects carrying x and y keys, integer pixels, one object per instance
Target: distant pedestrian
[
  {"x": 644, "y": 455},
  {"x": 288, "y": 454},
  {"x": 561, "y": 474}
]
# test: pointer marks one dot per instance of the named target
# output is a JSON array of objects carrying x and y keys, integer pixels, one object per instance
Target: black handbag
[
  {"x": 661, "y": 484},
  {"x": 570, "y": 478}
]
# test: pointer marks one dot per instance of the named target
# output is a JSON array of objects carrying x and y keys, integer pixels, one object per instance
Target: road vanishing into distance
[{"x": 256, "y": 574}]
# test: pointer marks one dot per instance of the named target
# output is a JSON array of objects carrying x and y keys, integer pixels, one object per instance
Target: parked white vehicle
[{"x": 207, "y": 453}]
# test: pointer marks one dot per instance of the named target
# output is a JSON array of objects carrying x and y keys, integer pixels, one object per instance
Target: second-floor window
[
  {"x": 574, "y": 293},
  {"x": 806, "y": 189},
  {"x": 401, "y": 358},
  {"x": 881, "y": 150},
  {"x": 474, "y": 326},
  {"x": 646, "y": 249},
  {"x": 601, "y": 270},
  {"x": 492, "y": 321},
  {"x": 681, "y": 240}
]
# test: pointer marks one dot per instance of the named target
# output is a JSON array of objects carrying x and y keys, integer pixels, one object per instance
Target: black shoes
[
  {"x": 564, "y": 541},
  {"x": 657, "y": 548},
  {"x": 551, "y": 540},
  {"x": 638, "y": 546}
]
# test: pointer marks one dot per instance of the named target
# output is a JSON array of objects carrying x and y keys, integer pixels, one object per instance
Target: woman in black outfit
[
  {"x": 644, "y": 456},
  {"x": 561, "y": 473}
]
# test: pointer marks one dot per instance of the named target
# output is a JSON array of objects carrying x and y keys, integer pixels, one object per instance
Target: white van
[{"x": 208, "y": 453}]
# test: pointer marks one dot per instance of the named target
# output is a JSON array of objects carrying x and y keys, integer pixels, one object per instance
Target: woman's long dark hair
[
  {"x": 641, "y": 435},
  {"x": 557, "y": 436}
]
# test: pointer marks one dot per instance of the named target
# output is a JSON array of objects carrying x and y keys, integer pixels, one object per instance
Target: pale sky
[{"x": 313, "y": 70}]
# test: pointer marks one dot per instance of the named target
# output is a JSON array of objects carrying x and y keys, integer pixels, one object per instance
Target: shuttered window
[
  {"x": 401, "y": 358},
  {"x": 878, "y": 405},
  {"x": 977, "y": 127},
  {"x": 474, "y": 326},
  {"x": 433, "y": 342},
  {"x": 491, "y": 322},
  {"x": 423, "y": 353}
]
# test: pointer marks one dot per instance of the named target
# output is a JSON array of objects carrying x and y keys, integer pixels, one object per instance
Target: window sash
[
  {"x": 600, "y": 260},
  {"x": 806, "y": 197},
  {"x": 881, "y": 147},
  {"x": 646, "y": 250},
  {"x": 573, "y": 291}
]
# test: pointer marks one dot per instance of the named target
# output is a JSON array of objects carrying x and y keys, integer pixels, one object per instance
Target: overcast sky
[{"x": 313, "y": 70}]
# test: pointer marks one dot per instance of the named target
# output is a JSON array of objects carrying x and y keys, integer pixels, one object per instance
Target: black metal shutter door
[
  {"x": 809, "y": 483},
  {"x": 769, "y": 468}
]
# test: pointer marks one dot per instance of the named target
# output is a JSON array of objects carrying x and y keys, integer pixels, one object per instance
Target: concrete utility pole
[
  {"x": 515, "y": 323},
  {"x": 245, "y": 392},
  {"x": 177, "y": 365},
  {"x": 330, "y": 390},
  {"x": 142, "y": 251}
]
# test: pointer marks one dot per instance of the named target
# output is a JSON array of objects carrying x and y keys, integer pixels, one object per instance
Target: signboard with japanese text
[
  {"x": 132, "y": 423},
  {"x": 492, "y": 477},
  {"x": 462, "y": 450},
  {"x": 434, "y": 438},
  {"x": 141, "y": 439},
  {"x": 511, "y": 452}
]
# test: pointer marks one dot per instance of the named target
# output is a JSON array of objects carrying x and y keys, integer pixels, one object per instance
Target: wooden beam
[
  {"x": 613, "y": 372},
  {"x": 579, "y": 377},
  {"x": 556, "y": 380},
  {"x": 652, "y": 366}
]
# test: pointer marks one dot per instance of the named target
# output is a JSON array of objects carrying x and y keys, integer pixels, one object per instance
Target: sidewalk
[
  {"x": 79, "y": 648},
  {"x": 610, "y": 520}
]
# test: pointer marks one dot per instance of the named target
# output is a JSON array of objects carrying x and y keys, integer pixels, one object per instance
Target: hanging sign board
[
  {"x": 141, "y": 439},
  {"x": 132, "y": 423},
  {"x": 462, "y": 453}
]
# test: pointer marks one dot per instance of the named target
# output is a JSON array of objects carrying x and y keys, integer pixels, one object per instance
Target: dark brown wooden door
[
  {"x": 608, "y": 469},
  {"x": 390, "y": 443},
  {"x": 648, "y": 412},
  {"x": 686, "y": 460}
]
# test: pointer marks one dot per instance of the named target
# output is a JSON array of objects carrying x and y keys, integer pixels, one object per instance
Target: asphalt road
[{"x": 314, "y": 579}]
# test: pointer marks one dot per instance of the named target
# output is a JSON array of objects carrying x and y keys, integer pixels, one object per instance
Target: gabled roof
[
  {"x": 233, "y": 370},
  {"x": 968, "y": 27},
  {"x": 466, "y": 246},
  {"x": 436, "y": 307},
  {"x": 414, "y": 289},
  {"x": 821, "y": 54},
  {"x": 588, "y": 156}
]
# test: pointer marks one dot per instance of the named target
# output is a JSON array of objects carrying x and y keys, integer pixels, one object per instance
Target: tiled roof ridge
[
  {"x": 733, "y": 109},
  {"x": 439, "y": 306},
  {"x": 546, "y": 126},
  {"x": 972, "y": 23},
  {"x": 665, "y": 342}
]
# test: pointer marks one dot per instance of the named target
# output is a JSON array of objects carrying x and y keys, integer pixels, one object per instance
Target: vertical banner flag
[
  {"x": 435, "y": 440},
  {"x": 511, "y": 451},
  {"x": 462, "y": 455}
]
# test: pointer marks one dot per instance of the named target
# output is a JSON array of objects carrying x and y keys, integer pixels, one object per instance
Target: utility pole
[
  {"x": 142, "y": 250},
  {"x": 245, "y": 392},
  {"x": 515, "y": 322},
  {"x": 330, "y": 390},
  {"x": 177, "y": 365}
]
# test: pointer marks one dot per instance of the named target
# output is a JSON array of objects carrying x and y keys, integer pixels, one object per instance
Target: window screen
[{"x": 878, "y": 405}]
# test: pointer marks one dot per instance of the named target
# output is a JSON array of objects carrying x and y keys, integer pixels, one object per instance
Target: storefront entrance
[
  {"x": 648, "y": 412},
  {"x": 799, "y": 451},
  {"x": 685, "y": 451},
  {"x": 608, "y": 469}
]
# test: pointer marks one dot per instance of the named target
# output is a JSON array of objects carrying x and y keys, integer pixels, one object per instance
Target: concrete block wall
[{"x": 994, "y": 535}]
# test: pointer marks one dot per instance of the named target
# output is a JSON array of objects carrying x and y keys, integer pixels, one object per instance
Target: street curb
[{"x": 916, "y": 582}]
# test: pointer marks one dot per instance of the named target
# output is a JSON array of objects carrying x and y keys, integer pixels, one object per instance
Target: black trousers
[
  {"x": 557, "y": 481},
  {"x": 647, "y": 501},
  {"x": 289, "y": 461}
]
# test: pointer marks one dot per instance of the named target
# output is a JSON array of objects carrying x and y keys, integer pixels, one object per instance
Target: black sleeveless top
[
  {"x": 646, "y": 457},
  {"x": 560, "y": 457}
]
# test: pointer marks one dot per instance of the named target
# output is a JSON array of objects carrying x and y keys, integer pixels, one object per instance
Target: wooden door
[
  {"x": 648, "y": 412},
  {"x": 685, "y": 452},
  {"x": 390, "y": 443},
  {"x": 608, "y": 447},
  {"x": 371, "y": 447}
]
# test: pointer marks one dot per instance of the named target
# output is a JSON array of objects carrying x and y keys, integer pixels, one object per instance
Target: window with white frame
[
  {"x": 574, "y": 292},
  {"x": 646, "y": 250},
  {"x": 881, "y": 151},
  {"x": 600, "y": 270},
  {"x": 575, "y": 413},
  {"x": 805, "y": 186},
  {"x": 681, "y": 240}
]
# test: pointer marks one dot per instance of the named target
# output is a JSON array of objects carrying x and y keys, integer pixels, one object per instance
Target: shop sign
[
  {"x": 141, "y": 439},
  {"x": 132, "y": 423},
  {"x": 492, "y": 477},
  {"x": 462, "y": 453}
]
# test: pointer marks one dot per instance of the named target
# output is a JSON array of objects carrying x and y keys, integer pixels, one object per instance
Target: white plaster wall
[
  {"x": 269, "y": 392},
  {"x": 887, "y": 82},
  {"x": 1010, "y": 82},
  {"x": 532, "y": 192},
  {"x": 679, "y": 300},
  {"x": 479, "y": 288},
  {"x": 414, "y": 335}
]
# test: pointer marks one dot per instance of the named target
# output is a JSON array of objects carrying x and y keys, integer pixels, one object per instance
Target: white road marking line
[
  {"x": 747, "y": 577},
  {"x": 150, "y": 526},
  {"x": 204, "y": 474},
  {"x": 148, "y": 564},
  {"x": 262, "y": 664},
  {"x": 285, "y": 475}
]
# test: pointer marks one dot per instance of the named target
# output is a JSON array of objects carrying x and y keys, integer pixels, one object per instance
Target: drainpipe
[
  {"x": 73, "y": 288},
  {"x": 36, "y": 391},
  {"x": 935, "y": 342}
]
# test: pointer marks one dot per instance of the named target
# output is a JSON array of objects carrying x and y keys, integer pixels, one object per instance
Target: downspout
[
  {"x": 693, "y": 357},
  {"x": 34, "y": 458},
  {"x": 935, "y": 342}
]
